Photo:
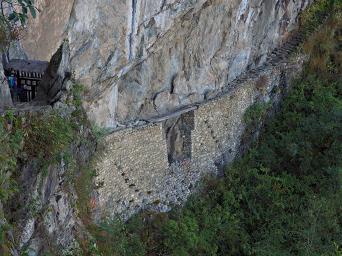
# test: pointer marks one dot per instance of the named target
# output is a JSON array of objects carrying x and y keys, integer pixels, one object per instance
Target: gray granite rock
[{"x": 141, "y": 58}]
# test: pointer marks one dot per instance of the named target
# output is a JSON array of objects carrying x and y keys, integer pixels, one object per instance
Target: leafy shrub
[
  {"x": 13, "y": 15},
  {"x": 284, "y": 197},
  {"x": 46, "y": 136},
  {"x": 324, "y": 45},
  {"x": 311, "y": 16},
  {"x": 10, "y": 146},
  {"x": 115, "y": 238},
  {"x": 255, "y": 113}
]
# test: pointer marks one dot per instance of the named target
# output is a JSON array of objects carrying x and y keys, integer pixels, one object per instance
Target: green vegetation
[
  {"x": 37, "y": 136},
  {"x": 13, "y": 15},
  {"x": 116, "y": 238},
  {"x": 84, "y": 187},
  {"x": 47, "y": 137},
  {"x": 20, "y": 10},
  {"x": 11, "y": 145},
  {"x": 256, "y": 113},
  {"x": 11, "y": 139},
  {"x": 284, "y": 196},
  {"x": 77, "y": 91},
  {"x": 43, "y": 139}
]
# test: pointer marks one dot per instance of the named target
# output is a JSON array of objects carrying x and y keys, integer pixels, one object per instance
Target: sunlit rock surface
[
  {"x": 5, "y": 95},
  {"x": 139, "y": 59}
]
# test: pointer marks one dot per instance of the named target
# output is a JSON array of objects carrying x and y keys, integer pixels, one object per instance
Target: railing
[{"x": 26, "y": 94}]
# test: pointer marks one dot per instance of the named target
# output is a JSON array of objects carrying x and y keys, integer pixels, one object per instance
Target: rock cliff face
[
  {"x": 140, "y": 59},
  {"x": 5, "y": 95},
  {"x": 42, "y": 217}
]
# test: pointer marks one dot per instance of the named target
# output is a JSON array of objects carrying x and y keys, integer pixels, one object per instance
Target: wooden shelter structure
[{"x": 28, "y": 73}]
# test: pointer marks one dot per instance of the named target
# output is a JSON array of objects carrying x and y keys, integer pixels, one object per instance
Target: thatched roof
[{"x": 28, "y": 66}]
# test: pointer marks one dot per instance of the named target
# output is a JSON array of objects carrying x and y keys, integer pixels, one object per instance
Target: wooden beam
[{"x": 172, "y": 115}]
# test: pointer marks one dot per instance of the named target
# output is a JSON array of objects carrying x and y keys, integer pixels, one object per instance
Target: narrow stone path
[
  {"x": 27, "y": 107},
  {"x": 277, "y": 57}
]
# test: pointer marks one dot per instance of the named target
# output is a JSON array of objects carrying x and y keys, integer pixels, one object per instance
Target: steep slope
[
  {"x": 139, "y": 59},
  {"x": 173, "y": 78}
]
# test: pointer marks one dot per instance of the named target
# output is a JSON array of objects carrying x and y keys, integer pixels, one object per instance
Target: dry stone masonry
[
  {"x": 178, "y": 83},
  {"x": 134, "y": 163},
  {"x": 173, "y": 84},
  {"x": 197, "y": 142},
  {"x": 218, "y": 126},
  {"x": 157, "y": 166}
]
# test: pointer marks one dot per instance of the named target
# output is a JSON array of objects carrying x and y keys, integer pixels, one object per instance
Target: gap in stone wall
[{"x": 178, "y": 136}]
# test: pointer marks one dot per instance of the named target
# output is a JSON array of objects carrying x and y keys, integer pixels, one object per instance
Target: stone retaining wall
[
  {"x": 218, "y": 127},
  {"x": 131, "y": 168},
  {"x": 134, "y": 172}
]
